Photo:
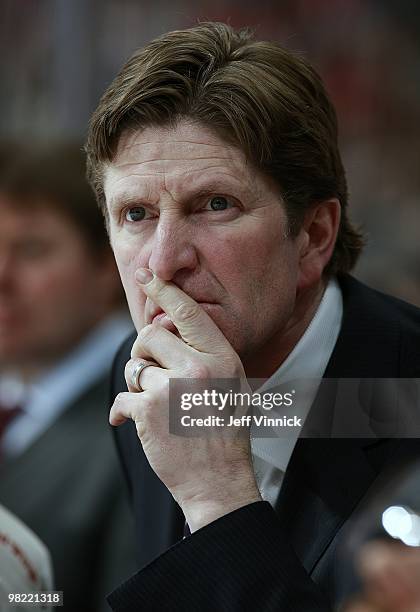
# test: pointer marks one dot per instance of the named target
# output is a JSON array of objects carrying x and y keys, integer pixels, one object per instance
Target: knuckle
[
  {"x": 232, "y": 365},
  {"x": 198, "y": 370},
  {"x": 186, "y": 312},
  {"x": 166, "y": 385},
  {"x": 128, "y": 373},
  {"x": 118, "y": 400},
  {"x": 141, "y": 429},
  {"x": 128, "y": 368}
]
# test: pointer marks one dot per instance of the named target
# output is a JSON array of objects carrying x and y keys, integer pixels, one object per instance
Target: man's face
[
  {"x": 190, "y": 207},
  {"x": 49, "y": 293}
]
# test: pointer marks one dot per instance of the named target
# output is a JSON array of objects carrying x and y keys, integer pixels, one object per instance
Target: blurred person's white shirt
[
  {"x": 46, "y": 398},
  {"x": 25, "y": 565}
]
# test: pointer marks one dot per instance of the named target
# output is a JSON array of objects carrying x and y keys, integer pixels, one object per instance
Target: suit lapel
[
  {"x": 326, "y": 478},
  {"x": 324, "y": 482}
]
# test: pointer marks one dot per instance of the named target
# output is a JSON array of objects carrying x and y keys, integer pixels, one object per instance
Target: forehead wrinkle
[
  {"x": 118, "y": 179},
  {"x": 155, "y": 143},
  {"x": 128, "y": 187},
  {"x": 130, "y": 141},
  {"x": 184, "y": 185},
  {"x": 164, "y": 150},
  {"x": 150, "y": 168},
  {"x": 161, "y": 174},
  {"x": 163, "y": 160}
]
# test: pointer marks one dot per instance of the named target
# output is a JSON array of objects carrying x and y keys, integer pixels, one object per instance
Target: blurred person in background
[
  {"x": 61, "y": 316},
  {"x": 391, "y": 579},
  {"x": 383, "y": 548}
]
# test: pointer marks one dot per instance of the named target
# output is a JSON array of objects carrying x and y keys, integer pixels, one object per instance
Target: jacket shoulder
[{"x": 380, "y": 334}]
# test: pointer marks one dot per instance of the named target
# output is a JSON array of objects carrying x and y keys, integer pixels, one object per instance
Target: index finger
[{"x": 194, "y": 325}]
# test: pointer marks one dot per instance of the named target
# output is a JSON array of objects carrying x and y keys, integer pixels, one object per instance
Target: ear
[{"x": 317, "y": 240}]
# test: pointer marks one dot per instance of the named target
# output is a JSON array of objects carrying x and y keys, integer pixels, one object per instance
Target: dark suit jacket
[
  {"x": 67, "y": 487},
  {"x": 256, "y": 558}
]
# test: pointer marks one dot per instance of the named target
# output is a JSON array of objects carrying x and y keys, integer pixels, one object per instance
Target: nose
[{"x": 172, "y": 250}]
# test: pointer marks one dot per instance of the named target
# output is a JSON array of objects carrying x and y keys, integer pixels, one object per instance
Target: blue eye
[
  {"x": 137, "y": 213},
  {"x": 219, "y": 203}
]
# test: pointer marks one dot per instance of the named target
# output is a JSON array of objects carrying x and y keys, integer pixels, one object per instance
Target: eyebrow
[
  {"x": 214, "y": 186},
  {"x": 123, "y": 199}
]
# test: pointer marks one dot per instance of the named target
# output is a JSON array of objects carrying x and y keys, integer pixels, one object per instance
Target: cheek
[
  {"x": 259, "y": 261},
  {"x": 129, "y": 256},
  {"x": 262, "y": 279},
  {"x": 130, "y": 252}
]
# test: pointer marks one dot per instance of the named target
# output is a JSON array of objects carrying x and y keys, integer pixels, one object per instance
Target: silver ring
[{"x": 135, "y": 377}]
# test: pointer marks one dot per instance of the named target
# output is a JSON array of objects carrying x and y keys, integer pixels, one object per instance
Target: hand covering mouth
[{"x": 155, "y": 312}]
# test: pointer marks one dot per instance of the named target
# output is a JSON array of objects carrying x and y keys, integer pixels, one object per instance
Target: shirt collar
[
  {"x": 310, "y": 356},
  {"x": 307, "y": 361}
]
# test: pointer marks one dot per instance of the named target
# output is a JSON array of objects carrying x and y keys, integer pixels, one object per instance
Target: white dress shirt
[
  {"x": 47, "y": 397},
  {"x": 307, "y": 363}
]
